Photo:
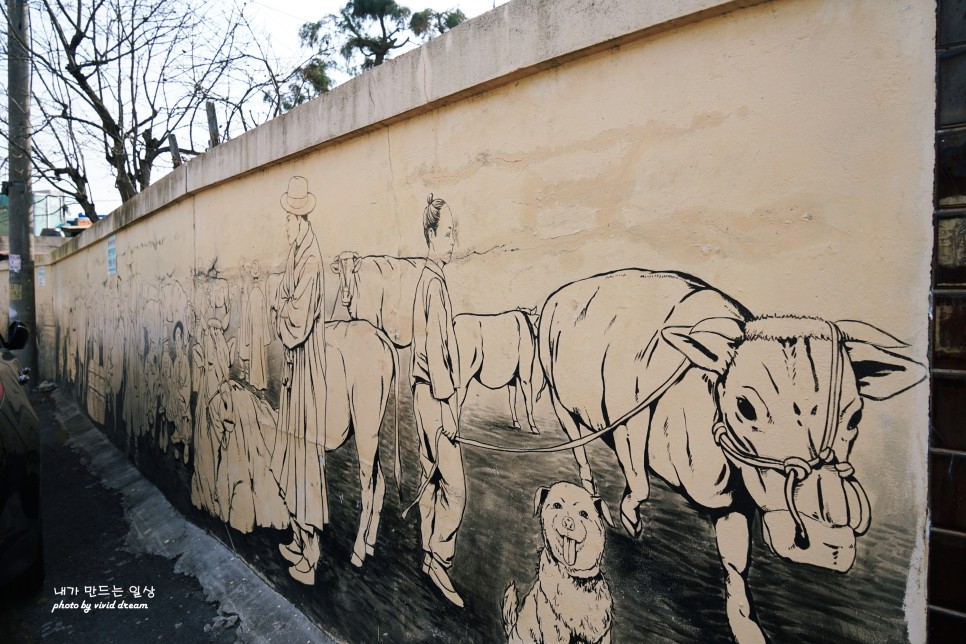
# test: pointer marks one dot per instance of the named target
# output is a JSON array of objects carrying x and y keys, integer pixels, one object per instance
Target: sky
[{"x": 280, "y": 21}]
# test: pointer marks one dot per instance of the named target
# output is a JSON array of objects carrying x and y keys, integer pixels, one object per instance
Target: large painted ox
[
  {"x": 380, "y": 290},
  {"x": 735, "y": 412},
  {"x": 360, "y": 367},
  {"x": 499, "y": 350}
]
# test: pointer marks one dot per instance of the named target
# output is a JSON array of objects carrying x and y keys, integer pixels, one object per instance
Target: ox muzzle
[{"x": 824, "y": 507}]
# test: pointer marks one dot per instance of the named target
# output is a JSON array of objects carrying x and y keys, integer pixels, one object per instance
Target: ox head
[
  {"x": 345, "y": 265},
  {"x": 790, "y": 394}
]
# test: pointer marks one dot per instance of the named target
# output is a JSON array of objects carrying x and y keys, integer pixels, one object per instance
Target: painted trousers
[{"x": 441, "y": 505}]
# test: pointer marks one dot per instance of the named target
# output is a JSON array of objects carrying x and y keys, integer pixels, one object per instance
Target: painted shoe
[
  {"x": 291, "y": 556},
  {"x": 438, "y": 574},
  {"x": 310, "y": 549},
  {"x": 296, "y": 544},
  {"x": 303, "y": 572}
]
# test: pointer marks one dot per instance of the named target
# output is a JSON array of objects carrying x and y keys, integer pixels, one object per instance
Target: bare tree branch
[{"x": 114, "y": 78}]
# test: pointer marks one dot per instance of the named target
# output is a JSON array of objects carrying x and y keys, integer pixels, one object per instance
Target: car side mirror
[{"x": 17, "y": 336}]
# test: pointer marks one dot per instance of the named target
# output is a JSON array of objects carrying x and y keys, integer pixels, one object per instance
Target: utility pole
[
  {"x": 212, "y": 123},
  {"x": 22, "y": 303}
]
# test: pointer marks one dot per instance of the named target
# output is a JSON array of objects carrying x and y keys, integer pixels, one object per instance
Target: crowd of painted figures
[{"x": 772, "y": 404}]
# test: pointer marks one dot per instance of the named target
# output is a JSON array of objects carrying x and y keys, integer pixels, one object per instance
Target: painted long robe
[
  {"x": 258, "y": 337},
  {"x": 300, "y": 438},
  {"x": 213, "y": 360}
]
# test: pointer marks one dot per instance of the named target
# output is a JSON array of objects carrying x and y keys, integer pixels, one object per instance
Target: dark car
[{"x": 21, "y": 544}]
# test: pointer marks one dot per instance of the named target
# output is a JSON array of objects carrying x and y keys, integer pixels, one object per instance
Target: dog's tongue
[{"x": 569, "y": 551}]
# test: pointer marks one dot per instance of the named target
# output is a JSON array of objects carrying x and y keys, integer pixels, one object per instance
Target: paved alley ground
[{"x": 111, "y": 538}]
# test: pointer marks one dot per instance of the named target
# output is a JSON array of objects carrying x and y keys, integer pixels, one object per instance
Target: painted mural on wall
[
  {"x": 700, "y": 429},
  {"x": 610, "y": 352}
]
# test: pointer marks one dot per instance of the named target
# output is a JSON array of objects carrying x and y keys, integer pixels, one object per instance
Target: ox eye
[
  {"x": 557, "y": 506},
  {"x": 584, "y": 514},
  {"x": 746, "y": 409},
  {"x": 855, "y": 420}
]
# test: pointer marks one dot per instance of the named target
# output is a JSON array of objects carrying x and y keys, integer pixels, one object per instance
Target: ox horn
[{"x": 857, "y": 331}]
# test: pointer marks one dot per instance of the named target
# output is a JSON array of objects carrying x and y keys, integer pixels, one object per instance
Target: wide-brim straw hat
[{"x": 298, "y": 200}]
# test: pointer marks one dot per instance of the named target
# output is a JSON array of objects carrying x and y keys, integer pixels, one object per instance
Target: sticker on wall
[
  {"x": 112, "y": 255},
  {"x": 14, "y": 263},
  {"x": 42, "y": 276},
  {"x": 16, "y": 292}
]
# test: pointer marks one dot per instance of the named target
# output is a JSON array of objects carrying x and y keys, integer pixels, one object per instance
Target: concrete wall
[{"x": 776, "y": 155}]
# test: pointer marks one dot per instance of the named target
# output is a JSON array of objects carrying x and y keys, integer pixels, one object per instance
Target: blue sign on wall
[{"x": 112, "y": 255}]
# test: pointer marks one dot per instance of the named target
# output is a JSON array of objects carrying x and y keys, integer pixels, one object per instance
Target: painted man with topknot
[{"x": 435, "y": 378}]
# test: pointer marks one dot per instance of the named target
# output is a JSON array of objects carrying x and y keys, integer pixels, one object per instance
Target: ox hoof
[
  {"x": 370, "y": 550},
  {"x": 356, "y": 560},
  {"x": 516, "y": 425},
  {"x": 534, "y": 430},
  {"x": 632, "y": 525},
  {"x": 630, "y": 518}
]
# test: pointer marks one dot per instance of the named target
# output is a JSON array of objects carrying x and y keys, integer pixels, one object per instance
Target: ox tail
[
  {"x": 538, "y": 369},
  {"x": 536, "y": 366},
  {"x": 396, "y": 459},
  {"x": 396, "y": 462},
  {"x": 510, "y": 607}
]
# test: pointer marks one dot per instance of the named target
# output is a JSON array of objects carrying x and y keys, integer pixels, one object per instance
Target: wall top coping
[{"x": 513, "y": 41}]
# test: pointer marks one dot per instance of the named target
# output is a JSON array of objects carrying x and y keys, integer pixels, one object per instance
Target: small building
[{"x": 50, "y": 211}]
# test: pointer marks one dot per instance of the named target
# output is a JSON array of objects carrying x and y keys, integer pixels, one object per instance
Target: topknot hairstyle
[{"x": 431, "y": 215}]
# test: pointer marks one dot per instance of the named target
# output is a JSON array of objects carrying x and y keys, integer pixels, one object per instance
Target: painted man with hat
[{"x": 298, "y": 458}]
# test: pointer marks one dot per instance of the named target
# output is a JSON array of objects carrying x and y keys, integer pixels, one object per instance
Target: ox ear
[
  {"x": 356, "y": 264},
  {"x": 336, "y": 267},
  {"x": 709, "y": 344},
  {"x": 881, "y": 374},
  {"x": 538, "y": 498}
]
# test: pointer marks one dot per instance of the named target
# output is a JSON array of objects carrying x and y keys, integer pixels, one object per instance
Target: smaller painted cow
[
  {"x": 499, "y": 351},
  {"x": 380, "y": 290}
]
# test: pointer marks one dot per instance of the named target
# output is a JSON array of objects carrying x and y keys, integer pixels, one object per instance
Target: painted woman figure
[
  {"x": 244, "y": 323},
  {"x": 297, "y": 459},
  {"x": 212, "y": 357},
  {"x": 258, "y": 335},
  {"x": 132, "y": 374},
  {"x": 180, "y": 391}
]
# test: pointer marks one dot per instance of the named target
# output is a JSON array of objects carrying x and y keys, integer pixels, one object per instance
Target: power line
[{"x": 284, "y": 13}]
